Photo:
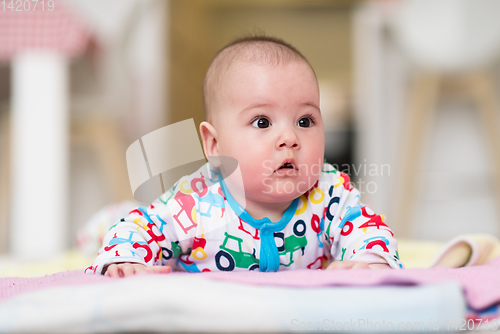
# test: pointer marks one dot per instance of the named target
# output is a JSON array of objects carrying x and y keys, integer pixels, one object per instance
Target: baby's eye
[
  {"x": 305, "y": 122},
  {"x": 261, "y": 123}
]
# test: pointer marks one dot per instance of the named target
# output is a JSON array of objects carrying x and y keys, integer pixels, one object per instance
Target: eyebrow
[
  {"x": 261, "y": 105},
  {"x": 255, "y": 105},
  {"x": 311, "y": 105}
]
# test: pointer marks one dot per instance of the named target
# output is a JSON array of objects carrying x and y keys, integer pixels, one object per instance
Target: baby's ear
[{"x": 209, "y": 138}]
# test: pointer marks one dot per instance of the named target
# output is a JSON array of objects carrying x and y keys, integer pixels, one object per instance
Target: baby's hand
[
  {"x": 125, "y": 269},
  {"x": 356, "y": 265}
]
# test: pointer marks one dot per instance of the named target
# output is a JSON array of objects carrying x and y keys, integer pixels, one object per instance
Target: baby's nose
[{"x": 288, "y": 139}]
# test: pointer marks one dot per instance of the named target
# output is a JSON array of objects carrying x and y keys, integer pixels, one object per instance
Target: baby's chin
[
  {"x": 279, "y": 194},
  {"x": 278, "y": 197}
]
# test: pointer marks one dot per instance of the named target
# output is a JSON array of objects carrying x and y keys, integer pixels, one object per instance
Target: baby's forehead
[
  {"x": 262, "y": 84},
  {"x": 237, "y": 70},
  {"x": 230, "y": 65}
]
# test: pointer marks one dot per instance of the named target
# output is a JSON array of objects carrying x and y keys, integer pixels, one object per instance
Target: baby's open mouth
[{"x": 287, "y": 166}]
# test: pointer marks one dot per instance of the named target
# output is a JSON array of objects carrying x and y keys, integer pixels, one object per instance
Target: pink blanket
[{"x": 481, "y": 284}]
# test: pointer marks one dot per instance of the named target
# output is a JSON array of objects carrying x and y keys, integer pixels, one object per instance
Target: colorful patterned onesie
[{"x": 197, "y": 226}]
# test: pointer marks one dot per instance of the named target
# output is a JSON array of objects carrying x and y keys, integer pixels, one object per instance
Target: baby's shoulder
[
  {"x": 331, "y": 178},
  {"x": 192, "y": 185}
]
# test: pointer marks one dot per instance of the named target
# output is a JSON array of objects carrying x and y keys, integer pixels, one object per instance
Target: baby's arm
[
  {"x": 360, "y": 238},
  {"x": 124, "y": 269},
  {"x": 365, "y": 238},
  {"x": 135, "y": 244}
]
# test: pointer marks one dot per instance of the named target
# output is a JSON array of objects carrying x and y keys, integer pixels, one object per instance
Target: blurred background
[{"x": 409, "y": 96}]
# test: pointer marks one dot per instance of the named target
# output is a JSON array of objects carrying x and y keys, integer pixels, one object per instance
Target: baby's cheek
[
  {"x": 254, "y": 178},
  {"x": 313, "y": 170}
]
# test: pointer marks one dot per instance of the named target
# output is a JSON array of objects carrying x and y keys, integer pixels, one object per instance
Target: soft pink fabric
[{"x": 481, "y": 284}]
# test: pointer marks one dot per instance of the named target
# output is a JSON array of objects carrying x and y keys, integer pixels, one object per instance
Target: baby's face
[{"x": 270, "y": 122}]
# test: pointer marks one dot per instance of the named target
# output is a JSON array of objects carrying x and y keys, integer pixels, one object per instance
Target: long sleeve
[
  {"x": 354, "y": 231},
  {"x": 145, "y": 236}
]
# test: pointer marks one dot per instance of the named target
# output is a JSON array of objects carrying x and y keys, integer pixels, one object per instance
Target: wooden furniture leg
[
  {"x": 483, "y": 89},
  {"x": 103, "y": 138},
  {"x": 422, "y": 103}
]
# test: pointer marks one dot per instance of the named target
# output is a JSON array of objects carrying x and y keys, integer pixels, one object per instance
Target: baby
[{"x": 290, "y": 211}]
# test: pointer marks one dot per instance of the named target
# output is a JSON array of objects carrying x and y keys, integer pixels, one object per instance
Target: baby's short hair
[{"x": 262, "y": 50}]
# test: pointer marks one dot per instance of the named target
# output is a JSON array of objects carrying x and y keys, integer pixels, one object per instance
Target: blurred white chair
[
  {"x": 39, "y": 44},
  {"x": 454, "y": 44},
  {"x": 4, "y": 178}
]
